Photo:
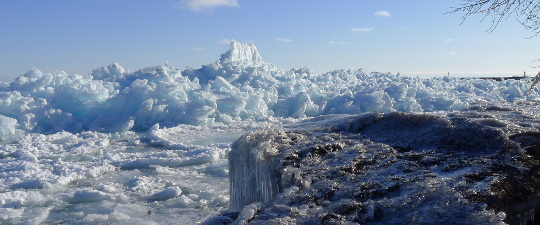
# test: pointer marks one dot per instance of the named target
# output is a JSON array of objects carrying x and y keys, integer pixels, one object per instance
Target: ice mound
[
  {"x": 389, "y": 168},
  {"x": 241, "y": 53},
  {"x": 239, "y": 86}
]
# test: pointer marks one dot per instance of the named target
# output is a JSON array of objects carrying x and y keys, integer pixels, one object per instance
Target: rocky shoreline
[{"x": 478, "y": 166}]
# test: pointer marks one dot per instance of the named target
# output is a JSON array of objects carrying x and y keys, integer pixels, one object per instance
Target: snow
[{"x": 152, "y": 145}]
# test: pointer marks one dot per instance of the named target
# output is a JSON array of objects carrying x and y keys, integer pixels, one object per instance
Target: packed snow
[{"x": 151, "y": 146}]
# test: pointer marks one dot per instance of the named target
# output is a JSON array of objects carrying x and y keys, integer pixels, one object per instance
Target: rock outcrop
[{"x": 473, "y": 167}]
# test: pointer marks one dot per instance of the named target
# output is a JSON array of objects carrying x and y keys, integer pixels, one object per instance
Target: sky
[{"x": 413, "y": 37}]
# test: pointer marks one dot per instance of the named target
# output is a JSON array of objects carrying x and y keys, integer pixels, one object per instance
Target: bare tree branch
[{"x": 525, "y": 11}]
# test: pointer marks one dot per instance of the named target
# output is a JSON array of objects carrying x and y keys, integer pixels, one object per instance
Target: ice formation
[
  {"x": 151, "y": 146},
  {"x": 466, "y": 167},
  {"x": 237, "y": 87},
  {"x": 101, "y": 178}
]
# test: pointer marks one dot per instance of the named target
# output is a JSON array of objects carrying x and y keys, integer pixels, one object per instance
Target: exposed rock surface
[{"x": 473, "y": 167}]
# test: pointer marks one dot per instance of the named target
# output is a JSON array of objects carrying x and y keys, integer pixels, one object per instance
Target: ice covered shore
[
  {"x": 470, "y": 167},
  {"x": 151, "y": 146}
]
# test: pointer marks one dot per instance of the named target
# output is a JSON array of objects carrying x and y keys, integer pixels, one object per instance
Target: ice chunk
[
  {"x": 241, "y": 53},
  {"x": 84, "y": 196},
  {"x": 247, "y": 213},
  {"x": 111, "y": 72},
  {"x": 17, "y": 199},
  {"x": 168, "y": 193},
  {"x": 9, "y": 129},
  {"x": 7, "y": 213}
]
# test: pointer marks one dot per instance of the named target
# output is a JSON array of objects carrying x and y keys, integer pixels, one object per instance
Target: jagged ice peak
[{"x": 240, "y": 53}]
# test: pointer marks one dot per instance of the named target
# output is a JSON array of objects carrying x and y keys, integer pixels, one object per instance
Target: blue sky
[{"x": 413, "y": 37}]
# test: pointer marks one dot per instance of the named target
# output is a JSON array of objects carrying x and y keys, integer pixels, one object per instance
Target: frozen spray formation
[
  {"x": 469, "y": 167},
  {"x": 237, "y": 87}
]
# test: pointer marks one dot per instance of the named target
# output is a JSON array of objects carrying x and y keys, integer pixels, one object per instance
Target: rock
[{"x": 390, "y": 168}]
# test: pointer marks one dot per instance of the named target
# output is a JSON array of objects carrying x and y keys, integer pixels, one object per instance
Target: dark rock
[{"x": 393, "y": 168}]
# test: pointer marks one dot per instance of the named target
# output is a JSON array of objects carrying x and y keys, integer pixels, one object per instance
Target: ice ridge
[{"x": 237, "y": 87}]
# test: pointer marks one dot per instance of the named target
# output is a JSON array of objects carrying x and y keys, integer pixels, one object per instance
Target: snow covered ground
[{"x": 151, "y": 146}]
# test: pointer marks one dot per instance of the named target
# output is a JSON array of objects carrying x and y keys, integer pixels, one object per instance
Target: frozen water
[
  {"x": 151, "y": 145},
  {"x": 237, "y": 87},
  {"x": 251, "y": 168},
  {"x": 241, "y": 54},
  {"x": 91, "y": 177}
]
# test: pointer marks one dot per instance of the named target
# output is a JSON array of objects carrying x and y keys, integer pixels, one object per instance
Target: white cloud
[
  {"x": 382, "y": 13},
  {"x": 365, "y": 29},
  {"x": 199, "y": 5},
  {"x": 449, "y": 40},
  {"x": 285, "y": 40},
  {"x": 197, "y": 49}
]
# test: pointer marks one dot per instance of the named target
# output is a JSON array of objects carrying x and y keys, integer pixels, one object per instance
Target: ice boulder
[
  {"x": 9, "y": 129},
  {"x": 111, "y": 72},
  {"x": 241, "y": 53},
  {"x": 168, "y": 193}
]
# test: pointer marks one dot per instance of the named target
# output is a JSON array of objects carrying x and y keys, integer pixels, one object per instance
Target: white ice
[
  {"x": 117, "y": 146},
  {"x": 237, "y": 87}
]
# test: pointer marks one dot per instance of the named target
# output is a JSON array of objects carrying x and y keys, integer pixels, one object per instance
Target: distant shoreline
[{"x": 496, "y": 78}]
